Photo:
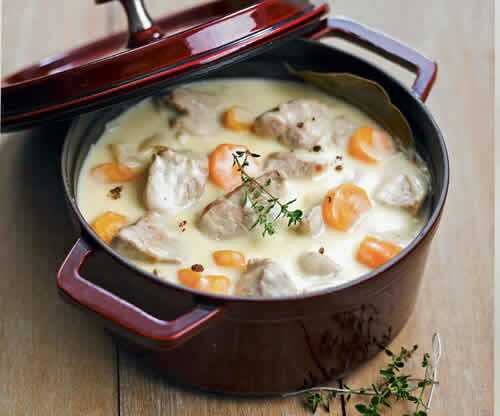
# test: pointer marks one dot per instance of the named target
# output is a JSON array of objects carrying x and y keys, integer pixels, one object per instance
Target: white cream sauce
[{"x": 146, "y": 119}]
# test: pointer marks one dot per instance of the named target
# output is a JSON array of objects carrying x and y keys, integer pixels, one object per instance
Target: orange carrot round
[
  {"x": 222, "y": 170},
  {"x": 235, "y": 119},
  {"x": 344, "y": 205},
  {"x": 113, "y": 173},
  {"x": 107, "y": 225},
  {"x": 370, "y": 145},
  {"x": 218, "y": 284},
  {"x": 374, "y": 252},
  {"x": 189, "y": 278},
  {"x": 229, "y": 258}
]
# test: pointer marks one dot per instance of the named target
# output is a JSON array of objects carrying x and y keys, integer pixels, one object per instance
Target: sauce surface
[{"x": 150, "y": 121}]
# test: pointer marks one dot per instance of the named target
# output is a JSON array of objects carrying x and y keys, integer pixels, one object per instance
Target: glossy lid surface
[{"x": 151, "y": 56}]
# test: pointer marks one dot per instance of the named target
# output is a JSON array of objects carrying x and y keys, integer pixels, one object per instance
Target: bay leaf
[{"x": 365, "y": 94}]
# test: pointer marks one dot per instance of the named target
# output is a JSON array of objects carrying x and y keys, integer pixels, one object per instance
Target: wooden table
[{"x": 55, "y": 361}]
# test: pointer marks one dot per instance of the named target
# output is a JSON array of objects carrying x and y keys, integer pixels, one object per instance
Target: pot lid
[{"x": 152, "y": 55}]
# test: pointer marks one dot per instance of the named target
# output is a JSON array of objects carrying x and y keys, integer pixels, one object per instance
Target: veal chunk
[
  {"x": 312, "y": 223},
  {"x": 199, "y": 111},
  {"x": 149, "y": 237},
  {"x": 231, "y": 216},
  {"x": 265, "y": 278},
  {"x": 403, "y": 190},
  {"x": 298, "y": 124},
  {"x": 314, "y": 263},
  {"x": 292, "y": 166},
  {"x": 343, "y": 128},
  {"x": 175, "y": 180}
]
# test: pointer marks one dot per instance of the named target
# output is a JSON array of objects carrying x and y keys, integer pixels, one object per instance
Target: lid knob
[{"x": 141, "y": 28}]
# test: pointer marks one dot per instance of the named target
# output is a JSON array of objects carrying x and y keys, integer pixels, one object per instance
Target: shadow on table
[{"x": 143, "y": 387}]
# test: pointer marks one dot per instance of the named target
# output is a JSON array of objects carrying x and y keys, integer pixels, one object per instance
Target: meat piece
[
  {"x": 128, "y": 155},
  {"x": 199, "y": 111},
  {"x": 314, "y": 263},
  {"x": 175, "y": 181},
  {"x": 265, "y": 278},
  {"x": 222, "y": 220},
  {"x": 292, "y": 166},
  {"x": 312, "y": 223},
  {"x": 343, "y": 128},
  {"x": 149, "y": 237},
  {"x": 231, "y": 215},
  {"x": 403, "y": 190},
  {"x": 140, "y": 156},
  {"x": 298, "y": 124}
]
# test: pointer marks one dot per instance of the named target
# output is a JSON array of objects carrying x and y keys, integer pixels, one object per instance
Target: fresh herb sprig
[
  {"x": 394, "y": 386},
  {"x": 261, "y": 200}
]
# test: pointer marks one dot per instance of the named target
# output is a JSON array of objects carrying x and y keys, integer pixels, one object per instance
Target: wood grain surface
[{"x": 55, "y": 361}]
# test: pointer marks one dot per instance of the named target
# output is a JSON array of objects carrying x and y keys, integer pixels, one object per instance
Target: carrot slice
[
  {"x": 236, "y": 119},
  {"x": 108, "y": 224},
  {"x": 222, "y": 170},
  {"x": 229, "y": 258},
  {"x": 114, "y": 173},
  {"x": 218, "y": 284},
  {"x": 370, "y": 145},
  {"x": 374, "y": 252},
  {"x": 189, "y": 278},
  {"x": 344, "y": 205}
]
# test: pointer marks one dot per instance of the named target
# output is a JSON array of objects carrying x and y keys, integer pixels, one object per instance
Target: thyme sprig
[
  {"x": 261, "y": 200},
  {"x": 394, "y": 386}
]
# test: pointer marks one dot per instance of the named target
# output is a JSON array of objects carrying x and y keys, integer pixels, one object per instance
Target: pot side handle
[
  {"x": 395, "y": 51},
  {"x": 125, "y": 317}
]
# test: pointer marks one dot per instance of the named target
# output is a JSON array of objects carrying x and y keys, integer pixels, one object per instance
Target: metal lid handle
[{"x": 141, "y": 28}]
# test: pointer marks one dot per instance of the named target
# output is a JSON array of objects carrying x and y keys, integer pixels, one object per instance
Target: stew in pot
[{"x": 253, "y": 187}]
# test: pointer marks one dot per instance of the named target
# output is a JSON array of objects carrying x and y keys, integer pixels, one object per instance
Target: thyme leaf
[
  {"x": 393, "y": 386},
  {"x": 261, "y": 200}
]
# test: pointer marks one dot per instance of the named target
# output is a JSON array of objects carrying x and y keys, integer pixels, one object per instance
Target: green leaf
[
  {"x": 425, "y": 360},
  {"x": 386, "y": 373},
  {"x": 362, "y": 409},
  {"x": 312, "y": 401}
]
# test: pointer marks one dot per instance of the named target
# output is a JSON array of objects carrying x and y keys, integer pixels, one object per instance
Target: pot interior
[{"x": 304, "y": 55}]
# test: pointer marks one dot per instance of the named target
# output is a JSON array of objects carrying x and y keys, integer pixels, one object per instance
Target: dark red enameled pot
[{"x": 248, "y": 346}]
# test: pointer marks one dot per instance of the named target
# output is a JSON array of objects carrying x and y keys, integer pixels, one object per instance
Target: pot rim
[{"x": 212, "y": 298}]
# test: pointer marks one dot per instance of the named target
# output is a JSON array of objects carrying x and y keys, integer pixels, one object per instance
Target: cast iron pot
[{"x": 262, "y": 346}]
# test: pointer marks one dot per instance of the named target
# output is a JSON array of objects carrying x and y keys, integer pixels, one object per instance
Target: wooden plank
[
  {"x": 53, "y": 359},
  {"x": 456, "y": 299},
  {"x": 142, "y": 392},
  {"x": 497, "y": 211},
  {"x": 34, "y": 30}
]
